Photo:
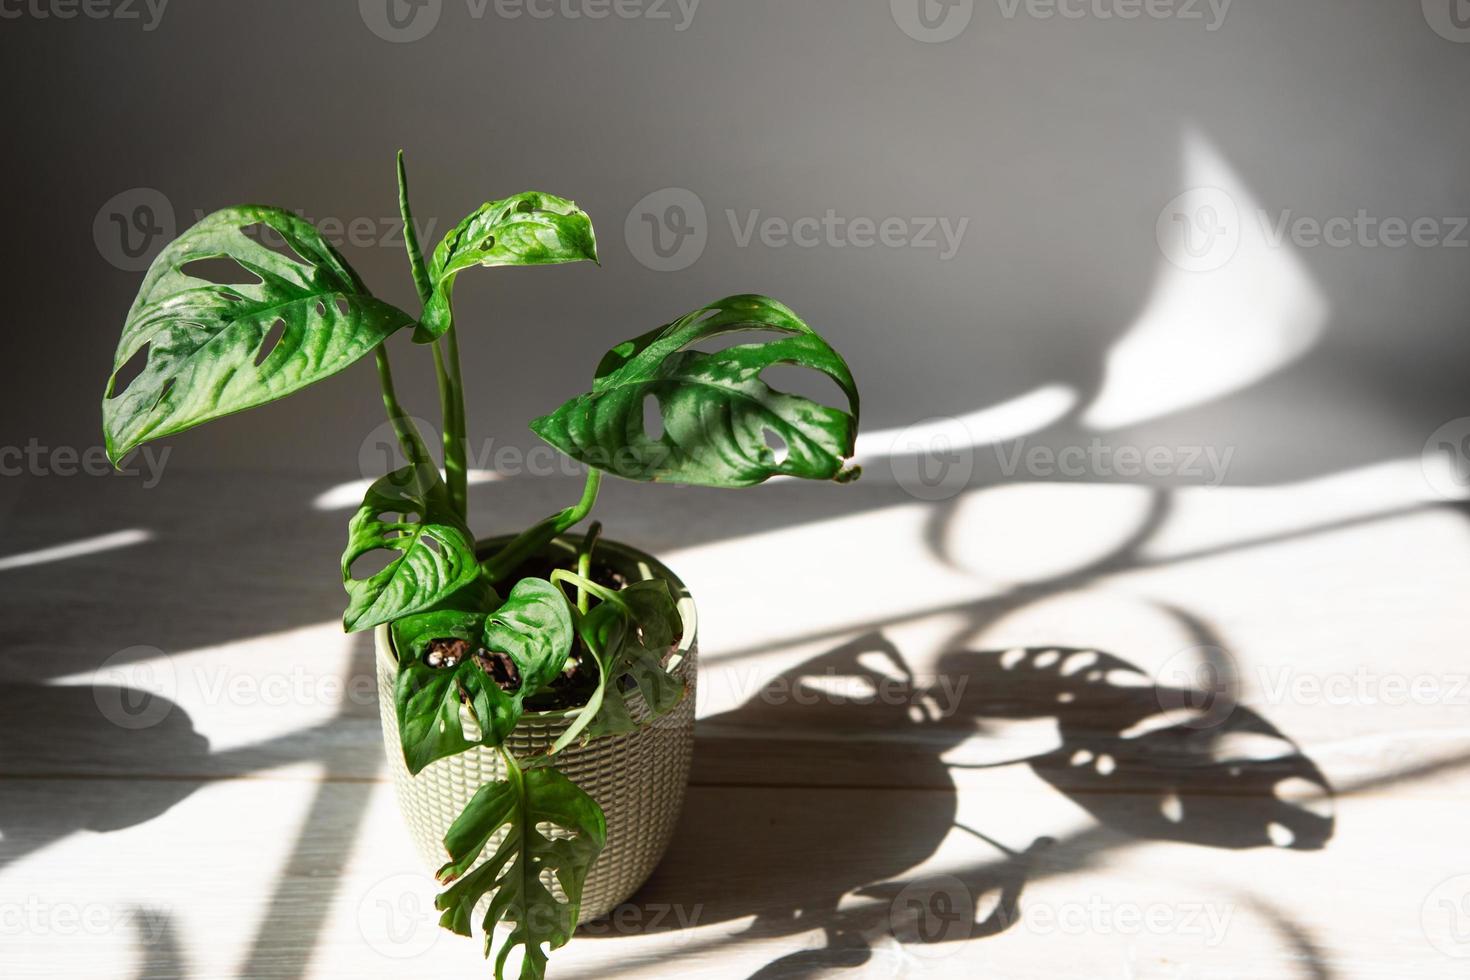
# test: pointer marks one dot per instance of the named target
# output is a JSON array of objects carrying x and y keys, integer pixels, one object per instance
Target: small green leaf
[
  {"x": 406, "y": 512},
  {"x": 716, "y": 410},
  {"x": 521, "y": 804},
  {"x": 527, "y": 229},
  {"x": 533, "y": 627},
  {"x": 206, "y": 341}
]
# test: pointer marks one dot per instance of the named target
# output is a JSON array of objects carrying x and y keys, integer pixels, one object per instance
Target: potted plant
[{"x": 536, "y": 687}]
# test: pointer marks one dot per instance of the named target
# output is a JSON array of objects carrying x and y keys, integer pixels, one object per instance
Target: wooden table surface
[{"x": 1031, "y": 730}]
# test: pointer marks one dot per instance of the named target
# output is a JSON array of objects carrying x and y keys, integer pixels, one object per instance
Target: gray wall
[{"x": 1059, "y": 140}]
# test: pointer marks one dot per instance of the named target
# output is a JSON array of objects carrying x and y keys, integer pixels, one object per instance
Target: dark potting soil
[{"x": 568, "y": 690}]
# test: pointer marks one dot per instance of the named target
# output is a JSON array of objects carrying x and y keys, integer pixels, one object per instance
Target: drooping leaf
[
  {"x": 716, "y": 410},
  {"x": 526, "y": 229},
  {"x": 628, "y": 635},
  {"x": 431, "y": 553},
  {"x": 521, "y": 804},
  {"x": 653, "y": 629},
  {"x": 206, "y": 341},
  {"x": 533, "y": 627}
]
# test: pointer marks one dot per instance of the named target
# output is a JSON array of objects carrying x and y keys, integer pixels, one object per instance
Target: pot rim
[{"x": 644, "y": 565}]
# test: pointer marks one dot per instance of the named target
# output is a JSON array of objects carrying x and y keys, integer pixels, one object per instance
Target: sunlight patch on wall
[
  {"x": 350, "y": 494},
  {"x": 1232, "y": 303},
  {"x": 1011, "y": 419}
]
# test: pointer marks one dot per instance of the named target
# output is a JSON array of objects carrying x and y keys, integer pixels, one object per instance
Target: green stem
[
  {"x": 584, "y": 563},
  {"x": 451, "y": 387},
  {"x": 456, "y": 441},
  {"x": 536, "y": 537},
  {"x": 403, "y": 427}
]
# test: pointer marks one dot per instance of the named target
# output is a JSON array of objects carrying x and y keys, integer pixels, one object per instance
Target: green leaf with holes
[
  {"x": 527, "y": 229},
  {"x": 533, "y": 627},
  {"x": 406, "y": 518},
  {"x": 520, "y": 805},
  {"x": 210, "y": 349},
  {"x": 716, "y": 410}
]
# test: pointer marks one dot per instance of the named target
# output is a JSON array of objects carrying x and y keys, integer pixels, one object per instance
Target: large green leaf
[
  {"x": 431, "y": 553},
  {"x": 521, "y": 804},
  {"x": 716, "y": 410},
  {"x": 533, "y": 627},
  {"x": 206, "y": 340},
  {"x": 527, "y": 229}
]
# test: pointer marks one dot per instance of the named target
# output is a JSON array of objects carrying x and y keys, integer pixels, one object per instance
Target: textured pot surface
[{"x": 638, "y": 778}]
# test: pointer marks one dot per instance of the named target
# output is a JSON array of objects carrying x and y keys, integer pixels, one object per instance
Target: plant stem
[
  {"x": 584, "y": 563},
  {"x": 451, "y": 388},
  {"x": 403, "y": 427},
  {"x": 534, "y": 538},
  {"x": 456, "y": 441}
]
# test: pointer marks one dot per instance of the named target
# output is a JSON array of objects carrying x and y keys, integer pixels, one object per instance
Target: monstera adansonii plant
[{"x": 194, "y": 348}]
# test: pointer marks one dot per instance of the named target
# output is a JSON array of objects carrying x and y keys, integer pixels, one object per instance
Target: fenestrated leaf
[
  {"x": 533, "y": 627},
  {"x": 527, "y": 229},
  {"x": 427, "y": 699},
  {"x": 205, "y": 340},
  {"x": 406, "y": 513},
  {"x": 716, "y": 410},
  {"x": 521, "y": 803}
]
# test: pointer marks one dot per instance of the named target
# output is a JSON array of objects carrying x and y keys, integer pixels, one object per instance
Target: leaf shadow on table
[{"x": 842, "y": 861}]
